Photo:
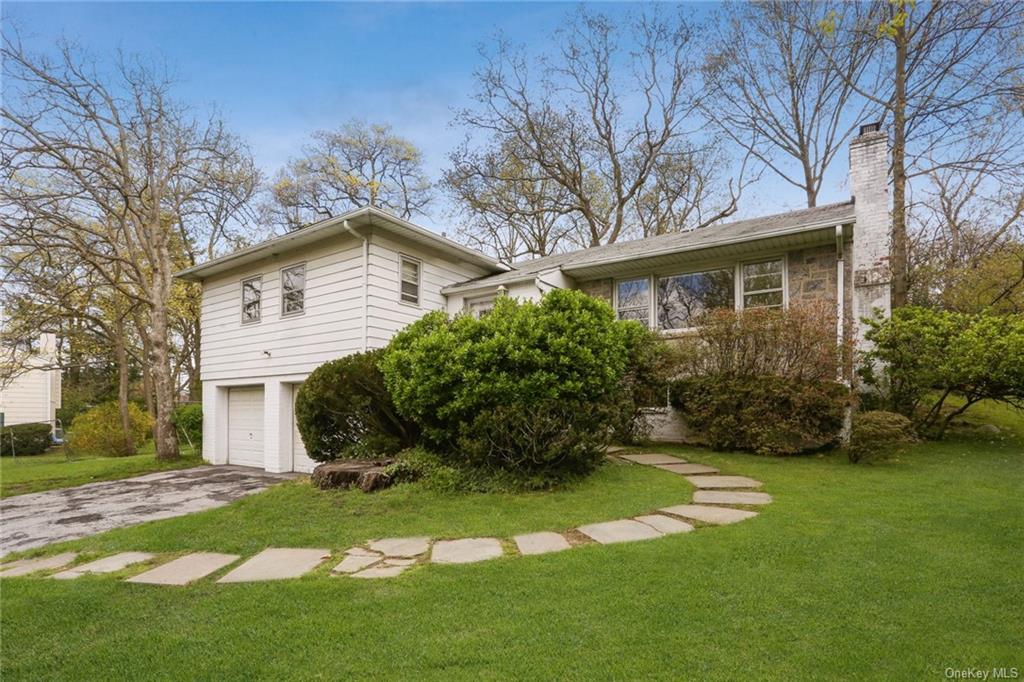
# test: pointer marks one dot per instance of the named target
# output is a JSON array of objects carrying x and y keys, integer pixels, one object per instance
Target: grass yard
[
  {"x": 893, "y": 571},
  {"x": 20, "y": 475}
]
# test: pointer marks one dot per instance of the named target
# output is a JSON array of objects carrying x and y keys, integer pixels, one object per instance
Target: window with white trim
[
  {"x": 633, "y": 299},
  {"x": 410, "y": 281},
  {"x": 684, "y": 298},
  {"x": 293, "y": 290},
  {"x": 479, "y": 306},
  {"x": 763, "y": 284},
  {"x": 252, "y": 299}
]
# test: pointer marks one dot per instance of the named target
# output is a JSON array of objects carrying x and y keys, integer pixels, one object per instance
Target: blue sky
[{"x": 278, "y": 71}]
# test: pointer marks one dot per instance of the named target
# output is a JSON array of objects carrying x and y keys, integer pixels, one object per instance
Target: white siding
[
  {"x": 330, "y": 326},
  {"x": 387, "y": 315},
  {"x": 34, "y": 395}
]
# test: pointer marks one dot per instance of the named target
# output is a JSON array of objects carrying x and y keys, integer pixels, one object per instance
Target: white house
[
  {"x": 273, "y": 312},
  {"x": 32, "y": 395}
]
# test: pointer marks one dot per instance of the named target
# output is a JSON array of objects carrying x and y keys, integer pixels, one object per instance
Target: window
[
  {"x": 479, "y": 306},
  {"x": 409, "y": 271},
  {"x": 293, "y": 290},
  {"x": 682, "y": 298},
  {"x": 633, "y": 300},
  {"x": 252, "y": 296},
  {"x": 762, "y": 284}
]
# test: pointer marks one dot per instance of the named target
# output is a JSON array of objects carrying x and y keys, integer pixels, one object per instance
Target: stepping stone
[
  {"x": 277, "y": 564},
  {"x": 723, "y": 482},
  {"x": 541, "y": 543},
  {"x": 716, "y": 515},
  {"x": 355, "y": 562},
  {"x": 399, "y": 562},
  {"x": 665, "y": 524},
  {"x": 359, "y": 551},
  {"x": 186, "y": 569},
  {"x": 26, "y": 566},
  {"x": 380, "y": 572},
  {"x": 722, "y": 497},
  {"x": 108, "y": 564},
  {"x": 465, "y": 551},
  {"x": 625, "y": 530},
  {"x": 654, "y": 459},
  {"x": 401, "y": 547},
  {"x": 687, "y": 468}
]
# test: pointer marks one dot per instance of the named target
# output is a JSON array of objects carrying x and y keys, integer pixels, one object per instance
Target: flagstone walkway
[{"x": 390, "y": 557}]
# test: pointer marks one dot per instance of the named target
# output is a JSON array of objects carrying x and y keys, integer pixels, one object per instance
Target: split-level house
[{"x": 273, "y": 312}]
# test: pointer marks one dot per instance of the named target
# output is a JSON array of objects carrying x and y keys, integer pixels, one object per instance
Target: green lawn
[
  {"x": 19, "y": 475},
  {"x": 892, "y": 571}
]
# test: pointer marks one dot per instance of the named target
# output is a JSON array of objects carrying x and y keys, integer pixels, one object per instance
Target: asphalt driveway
[{"x": 38, "y": 519}]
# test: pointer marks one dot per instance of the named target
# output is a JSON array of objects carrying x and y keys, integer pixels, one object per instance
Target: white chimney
[{"x": 872, "y": 231}]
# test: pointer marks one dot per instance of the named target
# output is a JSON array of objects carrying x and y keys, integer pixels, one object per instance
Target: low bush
[
  {"x": 922, "y": 356},
  {"x": 188, "y": 418},
  {"x": 528, "y": 389},
  {"x": 28, "y": 439},
  {"x": 877, "y": 434},
  {"x": 440, "y": 474},
  {"x": 650, "y": 365},
  {"x": 769, "y": 415},
  {"x": 344, "y": 410},
  {"x": 98, "y": 431}
]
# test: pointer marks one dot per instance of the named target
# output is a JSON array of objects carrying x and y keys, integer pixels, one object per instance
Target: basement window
[
  {"x": 293, "y": 290},
  {"x": 252, "y": 299},
  {"x": 409, "y": 274}
]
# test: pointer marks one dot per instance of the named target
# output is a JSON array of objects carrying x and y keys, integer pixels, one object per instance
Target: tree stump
[{"x": 365, "y": 474}]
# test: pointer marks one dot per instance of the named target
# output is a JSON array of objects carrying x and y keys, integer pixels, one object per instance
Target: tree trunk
[
  {"x": 898, "y": 251},
  {"x": 121, "y": 355},
  {"x": 147, "y": 378},
  {"x": 195, "y": 387},
  {"x": 164, "y": 433}
]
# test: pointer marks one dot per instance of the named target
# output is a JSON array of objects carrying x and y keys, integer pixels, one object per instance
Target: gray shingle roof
[{"x": 740, "y": 230}]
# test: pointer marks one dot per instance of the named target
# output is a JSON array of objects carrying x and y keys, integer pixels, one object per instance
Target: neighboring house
[
  {"x": 273, "y": 312},
  {"x": 32, "y": 395}
]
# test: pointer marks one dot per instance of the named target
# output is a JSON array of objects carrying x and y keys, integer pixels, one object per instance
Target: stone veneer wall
[{"x": 598, "y": 288}]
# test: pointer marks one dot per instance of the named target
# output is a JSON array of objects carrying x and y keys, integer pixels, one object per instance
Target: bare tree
[
  {"x": 98, "y": 164},
  {"x": 944, "y": 66},
  {"x": 597, "y": 126},
  {"x": 773, "y": 92},
  {"x": 357, "y": 165}
]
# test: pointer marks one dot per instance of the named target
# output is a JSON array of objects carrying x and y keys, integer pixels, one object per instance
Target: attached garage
[
  {"x": 300, "y": 461},
  {"x": 245, "y": 426}
]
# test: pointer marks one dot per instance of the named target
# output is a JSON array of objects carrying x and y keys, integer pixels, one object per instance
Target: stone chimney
[{"x": 872, "y": 233}]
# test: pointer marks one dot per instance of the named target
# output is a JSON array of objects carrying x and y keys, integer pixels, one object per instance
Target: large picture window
[
  {"x": 252, "y": 299},
  {"x": 633, "y": 300},
  {"x": 682, "y": 298},
  {"x": 293, "y": 290},
  {"x": 762, "y": 284}
]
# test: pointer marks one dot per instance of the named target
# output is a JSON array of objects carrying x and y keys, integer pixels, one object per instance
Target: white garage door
[
  {"x": 300, "y": 461},
  {"x": 245, "y": 426}
]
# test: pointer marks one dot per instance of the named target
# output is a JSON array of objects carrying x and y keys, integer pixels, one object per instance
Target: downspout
[
  {"x": 366, "y": 279},
  {"x": 844, "y": 434}
]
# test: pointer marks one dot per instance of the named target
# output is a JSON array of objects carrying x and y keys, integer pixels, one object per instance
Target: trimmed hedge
[
  {"x": 877, "y": 434},
  {"x": 531, "y": 388},
  {"x": 769, "y": 415},
  {"x": 344, "y": 410},
  {"x": 29, "y": 439}
]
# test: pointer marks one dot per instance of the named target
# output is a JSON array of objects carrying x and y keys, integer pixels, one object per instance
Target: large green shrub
[
  {"x": 188, "y": 418},
  {"x": 877, "y": 433},
  {"x": 98, "y": 431},
  {"x": 528, "y": 388},
  {"x": 921, "y": 357},
  {"x": 769, "y": 415},
  {"x": 344, "y": 410},
  {"x": 763, "y": 379},
  {"x": 29, "y": 439}
]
